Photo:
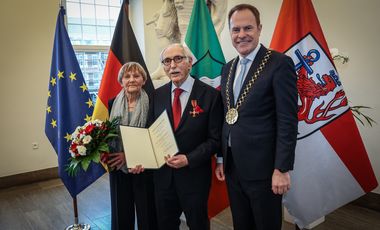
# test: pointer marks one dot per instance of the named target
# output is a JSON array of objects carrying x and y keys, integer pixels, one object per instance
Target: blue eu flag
[{"x": 69, "y": 105}]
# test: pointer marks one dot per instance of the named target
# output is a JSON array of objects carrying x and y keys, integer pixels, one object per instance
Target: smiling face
[
  {"x": 177, "y": 72},
  {"x": 244, "y": 31},
  {"x": 132, "y": 82}
]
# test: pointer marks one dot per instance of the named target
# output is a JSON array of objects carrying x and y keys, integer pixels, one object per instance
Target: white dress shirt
[
  {"x": 186, "y": 86},
  {"x": 251, "y": 57}
]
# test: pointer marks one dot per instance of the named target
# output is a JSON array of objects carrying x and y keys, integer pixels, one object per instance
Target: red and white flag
[{"x": 331, "y": 164}]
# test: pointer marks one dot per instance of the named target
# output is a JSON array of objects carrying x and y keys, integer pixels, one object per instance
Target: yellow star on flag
[
  {"x": 53, "y": 123},
  {"x": 89, "y": 103},
  {"x": 53, "y": 81},
  {"x": 48, "y": 109},
  {"x": 49, "y": 94},
  {"x": 88, "y": 118},
  {"x": 60, "y": 74},
  {"x": 68, "y": 137},
  {"x": 72, "y": 76},
  {"x": 83, "y": 87}
]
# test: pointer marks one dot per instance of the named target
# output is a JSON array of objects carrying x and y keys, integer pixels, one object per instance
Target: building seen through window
[
  {"x": 90, "y": 24},
  {"x": 92, "y": 64}
]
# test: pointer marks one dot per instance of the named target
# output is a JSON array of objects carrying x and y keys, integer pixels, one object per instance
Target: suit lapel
[{"x": 231, "y": 84}]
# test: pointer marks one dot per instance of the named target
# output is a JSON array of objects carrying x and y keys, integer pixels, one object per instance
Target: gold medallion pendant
[
  {"x": 232, "y": 116},
  {"x": 232, "y": 113}
]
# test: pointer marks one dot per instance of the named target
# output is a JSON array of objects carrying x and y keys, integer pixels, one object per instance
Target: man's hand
[
  {"x": 116, "y": 160},
  {"x": 280, "y": 182},
  {"x": 136, "y": 170},
  {"x": 219, "y": 172},
  {"x": 177, "y": 161}
]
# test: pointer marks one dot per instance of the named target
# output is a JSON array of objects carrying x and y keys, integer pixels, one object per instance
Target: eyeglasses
[{"x": 176, "y": 59}]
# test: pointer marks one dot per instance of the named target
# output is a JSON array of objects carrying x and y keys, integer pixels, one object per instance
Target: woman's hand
[{"x": 116, "y": 160}]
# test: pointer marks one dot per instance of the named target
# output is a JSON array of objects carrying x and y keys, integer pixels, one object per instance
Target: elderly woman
[{"x": 131, "y": 187}]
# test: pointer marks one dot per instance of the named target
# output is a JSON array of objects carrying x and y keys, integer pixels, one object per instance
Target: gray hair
[
  {"x": 186, "y": 51},
  {"x": 131, "y": 66}
]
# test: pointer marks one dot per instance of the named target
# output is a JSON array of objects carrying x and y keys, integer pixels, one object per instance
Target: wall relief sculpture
[{"x": 171, "y": 22}]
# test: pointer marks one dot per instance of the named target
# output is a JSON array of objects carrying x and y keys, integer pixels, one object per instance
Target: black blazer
[
  {"x": 197, "y": 137},
  {"x": 265, "y": 134}
]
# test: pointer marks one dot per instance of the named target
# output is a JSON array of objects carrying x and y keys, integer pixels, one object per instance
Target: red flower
[
  {"x": 73, "y": 148},
  {"x": 89, "y": 128}
]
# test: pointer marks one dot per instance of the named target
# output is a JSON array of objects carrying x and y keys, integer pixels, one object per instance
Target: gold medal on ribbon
[{"x": 232, "y": 116}]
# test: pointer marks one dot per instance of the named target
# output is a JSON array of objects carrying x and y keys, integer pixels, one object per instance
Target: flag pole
[
  {"x": 126, "y": 7},
  {"x": 75, "y": 210},
  {"x": 76, "y": 225}
]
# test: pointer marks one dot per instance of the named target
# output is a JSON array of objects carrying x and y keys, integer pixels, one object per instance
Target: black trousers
[
  {"x": 174, "y": 200},
  {"x": 127, "y": 192},
  {"x": 253, "y": 204}
]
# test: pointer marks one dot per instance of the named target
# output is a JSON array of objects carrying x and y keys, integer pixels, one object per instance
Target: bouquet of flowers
[{"x": 89, "y": 143}]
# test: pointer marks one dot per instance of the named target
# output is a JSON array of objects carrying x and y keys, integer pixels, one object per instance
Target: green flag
[{"x": 203, "y": 42}]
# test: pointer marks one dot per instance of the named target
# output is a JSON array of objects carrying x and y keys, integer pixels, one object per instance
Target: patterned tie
[
  {"x": 240, "y": 78},
  {"x": 177, "y": 110}
]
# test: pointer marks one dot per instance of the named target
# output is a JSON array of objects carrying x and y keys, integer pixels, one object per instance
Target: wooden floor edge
[
  {"x": 28, "y": 177},
  {"x": 370, "y": 200}
]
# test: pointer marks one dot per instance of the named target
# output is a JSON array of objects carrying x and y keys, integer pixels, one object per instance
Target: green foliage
[
  {"x": 357, "y": 109},
  {"x": 359, "y": 115}
]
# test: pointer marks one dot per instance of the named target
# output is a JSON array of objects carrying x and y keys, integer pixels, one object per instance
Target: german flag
[{"x": 124, "y": 48}]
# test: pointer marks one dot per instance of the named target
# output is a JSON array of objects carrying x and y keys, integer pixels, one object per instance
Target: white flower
[
  {"x": 98, "y": 122},
  {"x": 81, "y": 150},
  {"x": 75, "y": 133},
  {"x": 87, "y": 139},
  {"x": 334, "y": 52},
  {"x": 339, "y": 57}
]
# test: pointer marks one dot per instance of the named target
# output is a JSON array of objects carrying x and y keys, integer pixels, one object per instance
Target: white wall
[
  {"x": 26, "y": 41},
  {"x": 27, "y": 31}
]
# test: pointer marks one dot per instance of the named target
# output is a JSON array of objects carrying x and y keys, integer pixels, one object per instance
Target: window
[
  {"x": 90, "y": 24},
  {"x": 92, "y": 64}
]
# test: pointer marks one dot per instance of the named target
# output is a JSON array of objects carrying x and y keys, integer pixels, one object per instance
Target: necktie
[
  {"x": 176, "y": 107},
  {"x": 240, "y": 78}
]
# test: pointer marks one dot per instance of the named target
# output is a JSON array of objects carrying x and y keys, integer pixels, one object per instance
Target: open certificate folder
[{"x": 148, "y": 147}]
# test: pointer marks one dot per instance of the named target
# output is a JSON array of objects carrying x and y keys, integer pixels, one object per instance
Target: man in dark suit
[
  {"x": 195, "y": 110},
  {"x": 260, "y": 129}
]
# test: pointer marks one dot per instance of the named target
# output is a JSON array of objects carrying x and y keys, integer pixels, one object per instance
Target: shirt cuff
[{"x": 219, "y": 160}]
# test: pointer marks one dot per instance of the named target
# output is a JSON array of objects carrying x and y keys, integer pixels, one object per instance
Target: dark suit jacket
[
  {"x": 197, "y": 137},
  {"x": 264, "y": 136}
]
